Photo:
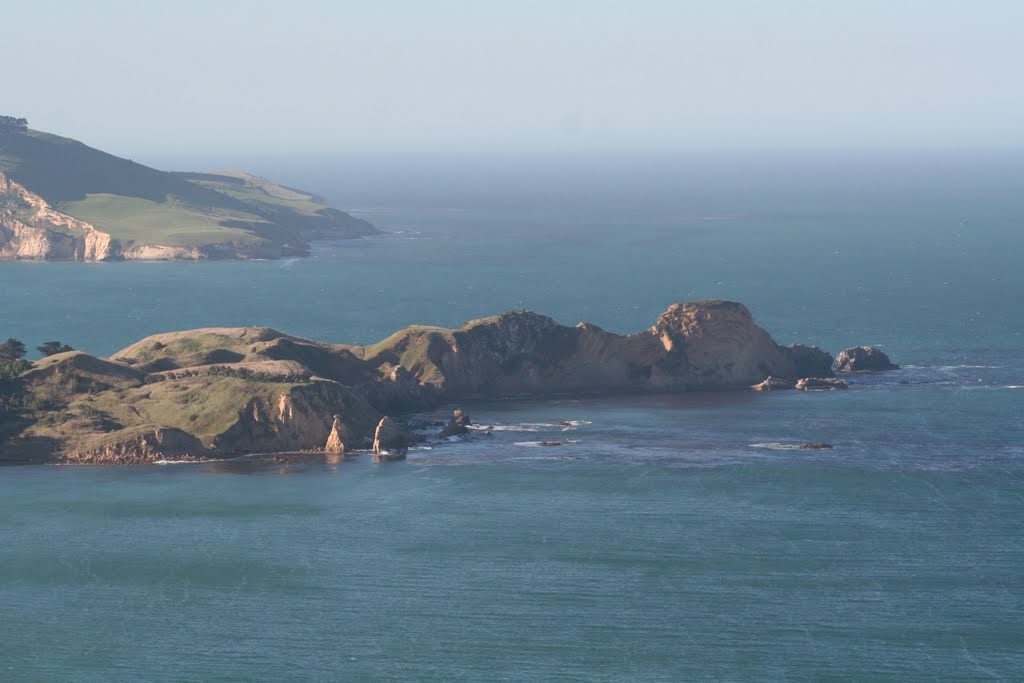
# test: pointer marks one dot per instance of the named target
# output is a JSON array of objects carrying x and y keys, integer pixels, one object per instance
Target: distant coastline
[{"x": 61, "y": 200}]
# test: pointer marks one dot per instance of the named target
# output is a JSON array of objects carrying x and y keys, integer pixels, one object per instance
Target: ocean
[{"x": 668, "y": 538}]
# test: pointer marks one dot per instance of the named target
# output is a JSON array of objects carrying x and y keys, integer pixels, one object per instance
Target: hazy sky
[{"x": 302, "y": 76}]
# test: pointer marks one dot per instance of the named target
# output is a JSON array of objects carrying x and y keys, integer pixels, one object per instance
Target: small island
[
  {"x": 61, "y": 200},
  {"x": 225, "y": 392}
]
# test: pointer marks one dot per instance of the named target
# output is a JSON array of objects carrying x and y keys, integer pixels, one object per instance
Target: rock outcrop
[
  {"x": 228, "y": 391},
  {"x": 457, "y": 425},
  {"x": 135, "y": 446},
  {"x": 809, "y": 361},
  {"x": 706, "y": 345},
  {"x": 821, "y": 384},
  {"x": 337, "y": 438},
  {"x": 388, "y": 439},
  {"x": 159, "y": 252},
  {"x": 774, "y": 384},
  {"x": 863, "y": 359}
]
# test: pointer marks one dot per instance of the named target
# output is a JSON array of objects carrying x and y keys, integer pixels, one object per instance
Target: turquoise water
[{"x": 670, "y": 538}]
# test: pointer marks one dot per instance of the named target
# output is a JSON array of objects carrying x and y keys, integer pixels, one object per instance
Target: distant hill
[{"x": 61, "y": 199}]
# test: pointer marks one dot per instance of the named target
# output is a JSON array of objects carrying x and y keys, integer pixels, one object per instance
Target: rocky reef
[{"x": 231, "y": 391}]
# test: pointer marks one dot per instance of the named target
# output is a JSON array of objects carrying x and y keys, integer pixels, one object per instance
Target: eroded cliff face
[
  {"x": 135, "y": 446},
  {"x": 30, "y": 229},
  {"x": 227, "y": 391},
  {"x": 303, "y": 418}
]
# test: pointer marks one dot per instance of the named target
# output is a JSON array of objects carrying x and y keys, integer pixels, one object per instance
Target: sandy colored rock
[
  {"x": 32, "y": 230},
  {"x": 774, "y": 384},
  {"x": 336, "y": 439},
  {"x": 821, "y": 384}
]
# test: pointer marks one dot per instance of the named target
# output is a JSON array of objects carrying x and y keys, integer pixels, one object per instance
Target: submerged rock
[
  {"x": 821, "y": 384},
  {"x": 458, "y": 425},
  {"x": 388, "y": 456},
  {"x": 863, "y": 359},
  {"x": 774, "y": 384},
  {"x": 815, "y": 446}
]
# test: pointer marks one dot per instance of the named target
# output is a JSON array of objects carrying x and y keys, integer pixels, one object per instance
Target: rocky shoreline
[{"x": 228, "y": 392}]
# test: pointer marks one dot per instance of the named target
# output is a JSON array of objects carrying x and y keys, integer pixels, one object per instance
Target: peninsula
[
  {"x": 63, "y": 200},
  {"x": 233, "y": 391}
]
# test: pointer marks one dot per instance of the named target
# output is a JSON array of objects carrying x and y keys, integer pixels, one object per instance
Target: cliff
[
  {"x": 226, "y": 391},
  {"x": 30, "y": 229}
]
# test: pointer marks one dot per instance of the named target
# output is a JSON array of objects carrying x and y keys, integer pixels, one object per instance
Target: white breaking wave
[
  {"x": 951, "y": 367},
  {"x": 505, "y": 428},
  {"x": 544, "y": 444},
  {"x": 531, "y": 426},
  {"x": 776, "y": 446},
  {"x": 189, "y": 462}
]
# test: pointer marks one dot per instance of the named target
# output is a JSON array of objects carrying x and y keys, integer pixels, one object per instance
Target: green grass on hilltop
[
  {"x": 172, "y": 222},
  {"x": 251, "y": 189}
]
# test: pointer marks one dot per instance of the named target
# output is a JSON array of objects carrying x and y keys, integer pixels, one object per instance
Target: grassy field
[
  {"x": 204, "y": 406},
  {"x": 172, "y": 223},
  {"x": 248, "y": 188}
]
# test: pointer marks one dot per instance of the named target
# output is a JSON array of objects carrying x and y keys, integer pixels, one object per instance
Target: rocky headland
[
  {"x": 33, "y": 230},
  {"x": 61, "y": 200},
  {"x": 234, "y": 391}
]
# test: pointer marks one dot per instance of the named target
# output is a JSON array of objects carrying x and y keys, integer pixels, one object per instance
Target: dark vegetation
[
  {"x": 246, "y": 374},
  {"x": 13, "y": 124},
  {"x": 52, "y": 348},
  {"x": 12, "y": 364}
]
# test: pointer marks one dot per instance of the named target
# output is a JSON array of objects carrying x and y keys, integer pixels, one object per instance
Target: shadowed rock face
[
  {"x": 388, "y": 437},
  {"x": 693, "y": 346},
  {"x": 234, "y": 391},
  {"x": 863, "y": 359}
]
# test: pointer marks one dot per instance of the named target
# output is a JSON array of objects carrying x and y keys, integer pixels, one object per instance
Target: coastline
[{"x": 226, "y": 392}]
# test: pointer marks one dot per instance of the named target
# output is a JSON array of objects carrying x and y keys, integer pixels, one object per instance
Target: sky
[{"x": 475, "y": 76}]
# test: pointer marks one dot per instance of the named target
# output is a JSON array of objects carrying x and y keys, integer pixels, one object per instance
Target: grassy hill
[{"x": 138, "y": 205}]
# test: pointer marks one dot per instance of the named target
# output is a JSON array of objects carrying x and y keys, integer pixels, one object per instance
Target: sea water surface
[{"x": 666, "y": 538}]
